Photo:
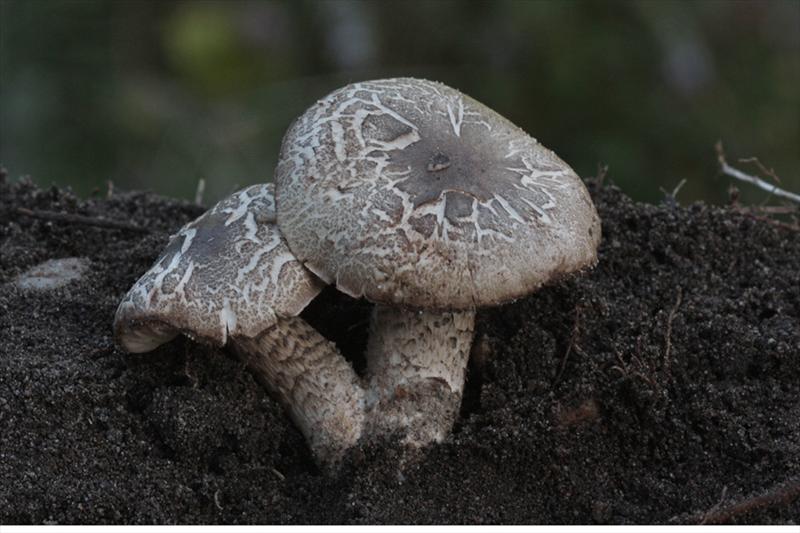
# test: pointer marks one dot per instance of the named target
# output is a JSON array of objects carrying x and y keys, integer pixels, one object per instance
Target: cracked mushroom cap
[
  {"x": 228, "y": 273},
  {"x": 409, "y": 192}
]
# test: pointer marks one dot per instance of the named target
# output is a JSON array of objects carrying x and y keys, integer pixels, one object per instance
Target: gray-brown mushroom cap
[
  {"x": 408, "y": 192},
  {"x": 228, "y": 273}
]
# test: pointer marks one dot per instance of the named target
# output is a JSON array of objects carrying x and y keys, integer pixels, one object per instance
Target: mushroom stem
[
  {"x": 317, "y": 386},
  {"x": 416, "y": 366}
]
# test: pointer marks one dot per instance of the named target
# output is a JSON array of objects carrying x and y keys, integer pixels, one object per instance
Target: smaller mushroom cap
[
  {"x": 227, "y": 273},
  {"x": 408, "y": 192}
]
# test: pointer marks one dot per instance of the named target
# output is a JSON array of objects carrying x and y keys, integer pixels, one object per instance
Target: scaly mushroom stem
[
  {"x": 416, "y": 366},
  {"x": 312, "y": 380}
]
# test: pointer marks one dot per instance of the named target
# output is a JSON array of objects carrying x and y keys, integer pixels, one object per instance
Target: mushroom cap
[
  {"x": 409, "y": 192},
  {"x": 229, "y": 272}
]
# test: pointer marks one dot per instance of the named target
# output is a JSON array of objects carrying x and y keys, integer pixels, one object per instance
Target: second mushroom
[{"x": 228, "y": 278}]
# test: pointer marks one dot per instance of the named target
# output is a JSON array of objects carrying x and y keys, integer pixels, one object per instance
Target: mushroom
[
  {"x": 431, "y": 205},
  {"x": 229, "y": 278}
]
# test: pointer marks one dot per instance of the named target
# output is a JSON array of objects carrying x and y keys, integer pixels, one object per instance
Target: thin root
[
  {"x": 780, "y": 494},
  {"x": 668, "y": 336},
  {"x": 572, "y": 343},
  {"x": 80, "y": 219}
]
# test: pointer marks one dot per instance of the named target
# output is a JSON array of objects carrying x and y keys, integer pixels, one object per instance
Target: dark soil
[{"x": 663, "y": 386}]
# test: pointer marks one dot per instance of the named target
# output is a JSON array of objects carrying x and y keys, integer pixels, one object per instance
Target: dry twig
[
  {"x": 636, "y": 366},
  {"x": 768, "y": 209},
  {"x": 768, "y": 220},
  {"x": 764, "y": 170},
  {"x": 728, "y": 170},
  {"x": 781, "y": 494},
  {"x": 678, "y": 187},
  {"x": 602, "y": 170},
  {"x": 572, "y": 343},
  {"x": 671, "y": 197},
  {"x": 198, "y": 194},
  {"x": 668, "y": 336},
  {"x": 79, "y": 219}
]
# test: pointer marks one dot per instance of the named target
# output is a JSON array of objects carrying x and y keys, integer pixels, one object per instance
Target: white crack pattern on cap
[
  {"x": 228, "y": 273},
  {"x": 408, "y": 192}
]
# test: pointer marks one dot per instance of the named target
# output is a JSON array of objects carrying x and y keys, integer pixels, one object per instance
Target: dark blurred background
[{"x": 157, "y": 95}]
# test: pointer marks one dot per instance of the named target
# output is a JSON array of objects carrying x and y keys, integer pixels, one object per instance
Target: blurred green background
[{"x": 157, "y": 95}]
